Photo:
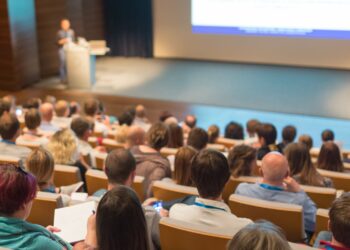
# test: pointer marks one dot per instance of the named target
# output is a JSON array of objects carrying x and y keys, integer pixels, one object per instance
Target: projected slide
[{"x": 328, "y": 19}]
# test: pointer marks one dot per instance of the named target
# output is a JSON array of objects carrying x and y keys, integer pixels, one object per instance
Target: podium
[{"x": 81, "y": 63}]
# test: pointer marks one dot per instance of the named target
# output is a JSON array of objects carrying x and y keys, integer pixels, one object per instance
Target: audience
[
  {"x": 306, "y": 140},
  {"x": 182, "y": 166},
  {"x": 267, "y": 135},
  {"x": 330, "y": 157},
  {"x": 91, "y": 108},
  {"x": 327, "y": 135},
  {"x": 213, "y": 134},
  {"x": 150, "y": 163},
  {"x": 234, "y": 131},
  {"x": 176, "y": 139},
  {"x": 119, "y": 222},
  {"x": 209, "y": 172},
  {"x": 17, "y": 191},
  {"x": 189, "y": 123},
  {"x": 126, "y": 118},
  {"x": 262, "y": 235},
  {"x": 46, "y": 111},
  {"x": 33, "y": 102},
  {"x": 277, "y": 186},
  {"x": 288, "y": 136},
  {"x": 338, "y": 225},
  {"x": 31, "y": 134},
  {"x": 141, "y": 119},
  {"x": 61, "y": 119},
  {"x": 242, "y": 160},
  {"x": 252, "y": 137},
  {"x": 74, "y": 110},
  {"x": 198, "y": 138},
  {"x": 135, "y": 137},
  {"x": 9, "y": 131}
]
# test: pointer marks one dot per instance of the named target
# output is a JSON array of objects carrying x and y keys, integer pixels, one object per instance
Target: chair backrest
[
  {"x": 228, "y": 143},
  {"x": 138, "y": 187},
  {"x": 100, "y": 160},
  {"x": 98, "y": 134},
  {"x": 178, "y": 235},
  {"x": 323, "y": 197},
  {"x": 167, "y": 191},
  {"x": 43, "y": 209},
  {"x": 93, "y": 141},
  {"x": 165, "y": 152},
  {"x": 95, "y": 180},
  {"x": 287, "y": 216},
  {"x": 218, "y": 147},
  {"x": 233, "y": 182},
  {"x": 66, "y": 175},
  {"x": 321, "y": 220},
  {"x": 30, "y": 145},
  {"x": 5, "y": 159},
  {"x": 112, "y": 144},
  {"x": 340, "y": 180}
]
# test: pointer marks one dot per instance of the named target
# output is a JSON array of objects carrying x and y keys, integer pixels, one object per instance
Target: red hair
[{"x": 17, "y": 188}]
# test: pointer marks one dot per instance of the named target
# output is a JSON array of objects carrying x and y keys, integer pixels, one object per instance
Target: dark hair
[
  {"x": 259, "y": 235},
  {"x": 191, "y": 121},
  {"x": 299, "y": 160},
  {"x": 240, "y": 159},
  {"x": 234, "y": 130},
  {"x": 289, "y": 133},
  {"x": 176, "y": 138},
  {"x": 268, "y": 132},
  {"x": 210, "y": 172},
  {"x": 17, "y": 188},
  {"x": 306, "y": 140},
  {"x": 157, "y": 136},
  {"x": 91, "y": 107},
  {"x": 80, "y": 125},
  {"x": 119, "y": 165},
  {"x": 339, "y": 219},
  {"x": 327, "y": 135},
  {"x": 164, "y": 115},
  {"x": 198, "y": 138},
  {"x": 330, "y": 158},
  {"x": 5, "y": 106},
  {"x": 120, "y": 221},
  {"x": 9, "y": 125},
  {"x": 252, "y": 126},
  {"x": 33, "y": 102},
  {"x": 73, "y": 108},
  {"x": 32, "y": 118},
  {"x": 213, "y": 133},
  {"x": 182, "y": 165},
  {"x": 126, "y": 118}
]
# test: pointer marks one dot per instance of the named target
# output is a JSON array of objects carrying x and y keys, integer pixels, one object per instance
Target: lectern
[{"x": 81, "y": 63}]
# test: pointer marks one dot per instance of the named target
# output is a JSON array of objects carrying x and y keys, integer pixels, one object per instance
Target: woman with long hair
[
  {"x": 182, "y": 166},
  {"x": 330, "y": 157},
  {"x": 301, "y": 167},
  {"x": 242, "y": 160},
  {"x": 176, "y": 138}
]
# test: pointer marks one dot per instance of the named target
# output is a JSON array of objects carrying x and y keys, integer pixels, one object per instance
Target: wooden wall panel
[{"x": 93, "y": 19}]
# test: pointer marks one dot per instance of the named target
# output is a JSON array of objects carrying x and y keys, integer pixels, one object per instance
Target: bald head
[
  {"x": 274, "y": 167},
  {"x": 140, "y": 111},
  {"x": 191, "y": 121},
  {"x": 135, "y": 136},
  {"x": 46, "y": 111},
  {"x": 62, "y": 108}
]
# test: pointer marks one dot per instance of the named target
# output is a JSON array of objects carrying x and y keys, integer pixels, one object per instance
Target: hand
[
  {"x": 163, "y": 212},
  {"x": 91, "y": 238},
  {"x": 291, "y": 185},
  {"x": 53, "y": 229},
  {"x": 149, "y": 201},
  {"x": 91, "y": 224}
]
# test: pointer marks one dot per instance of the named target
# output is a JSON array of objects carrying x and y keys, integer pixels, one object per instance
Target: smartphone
[
  {"x": 158, "y": 205},
  {"x": 18, "y": 112}
]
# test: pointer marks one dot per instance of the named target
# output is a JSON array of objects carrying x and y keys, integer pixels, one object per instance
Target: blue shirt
[{"x": 259, "y": 192}]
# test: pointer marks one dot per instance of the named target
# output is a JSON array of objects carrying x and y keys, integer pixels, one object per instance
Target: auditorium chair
[
  {"x": 217, "y": 147},
  {"x": 322, "y": 218},
  {"x": 87, "y": 159},
  {"x": 111, "y": 134},
  {"x": 287, "y": 216},
  {"x": 323, "y": 197},
  {"x": 347, "y": 167},
  {"x": 112, "y": 144},
  {"x": 179, "y": 235},
  {"x": 12, "y": 160},
  {"x": 30, "y": 145},
  {"x": 100, "y": 160},
  {"x": 233, "y": 182},
  {"x": 165, "y": 152},
  {"x": 167, "y": 191},
  {"x": 341, "y": 181},
  {"x": 93, "y": 141},
  {"x": 66, "y": 175},
  {"x": 43, "y": 209},
  {"x": 228, "y": 143},
  {"x": 138, "y": 187},
  {"x": 98, "y": 134}
]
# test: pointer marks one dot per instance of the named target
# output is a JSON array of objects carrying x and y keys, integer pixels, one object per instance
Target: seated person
[
  {"x": 277, "y": 186},
  {"x": 149, "y": 162},
  {"x": 252, "y": 137},
  {"x": 213, "y": 134},
  {"x": 61, "y": 119},
  {"x": 262, "y": 235},
  {"x": 327, "y": 135},
  {"x": 242, "y": 160},
  {"x": 307, "y": 140},
  {"x": 176, "y": 138},
  {"x": 198, "y": 138},
  {"x": 209, "y": 172},
  {"x": 301, "y": 167},
  {"x": 141, "y": 119},
  {"x": 267, "y": 135},
  {"x": 330, "y": 157},
  {"x": 32, "y": 134},
  {"x": 46, "y": 111},
  {"x": 234, "y": 131},
  {"x": 135, "y": 137},
  {"x": 17, "y": 192},
  {"x": 119, "y": 222},
  {"x": 91, "y": 109},
  {"x": 339, "y": 226},
  {"x": 189, "y": 123},
  {"x": 9, "y": 131},
  {"x": 41, "y": 164},
  {"x": 288, "y": 136},
  {"x": 120, "y": 169}
]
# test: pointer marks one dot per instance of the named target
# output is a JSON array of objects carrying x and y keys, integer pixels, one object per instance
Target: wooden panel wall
[
  {"x": 93, "y": 19},
  {"x": 19, "y": 54}
]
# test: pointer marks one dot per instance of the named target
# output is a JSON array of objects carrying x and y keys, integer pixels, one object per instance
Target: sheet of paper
[
  {"x": 73, "y": 221},
  {"x": 79, "y": 196}
]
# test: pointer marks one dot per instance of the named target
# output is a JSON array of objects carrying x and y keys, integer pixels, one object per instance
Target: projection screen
[{"x": 311, "y": 33}]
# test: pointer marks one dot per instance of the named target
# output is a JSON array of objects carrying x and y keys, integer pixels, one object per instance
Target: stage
[{"x": 314, "y": 99}]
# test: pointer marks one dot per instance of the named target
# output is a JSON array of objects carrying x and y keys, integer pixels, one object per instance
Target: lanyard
[
  {"x": 207, "y": 206},
  {"x": 8, "y": 142},
  {"x": 269, "y": 187}
]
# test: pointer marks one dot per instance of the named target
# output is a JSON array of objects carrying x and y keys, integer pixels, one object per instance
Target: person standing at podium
[{"x": 64, "y": 35}]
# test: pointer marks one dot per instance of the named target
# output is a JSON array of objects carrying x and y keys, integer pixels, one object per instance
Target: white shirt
[
  {"x": 209, "y": 213},
  {"x": 142, "y": 123},
  {"x": 85, "y": 148},
  {"x": 61, "y": 122},
  {"x": 48, "y": 127}
]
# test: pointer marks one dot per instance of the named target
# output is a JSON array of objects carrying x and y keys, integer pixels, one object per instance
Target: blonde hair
[
  {"x": 122, "y": 134},
  {"x": 63, "y": 146},
  {"x": 41, "y": 164}
]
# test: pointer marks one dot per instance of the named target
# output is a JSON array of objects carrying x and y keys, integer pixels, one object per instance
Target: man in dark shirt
[{"x": 64, "y": 35}]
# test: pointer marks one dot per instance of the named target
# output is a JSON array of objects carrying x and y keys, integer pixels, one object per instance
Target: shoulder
[{"x": 244, "y": 186}]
